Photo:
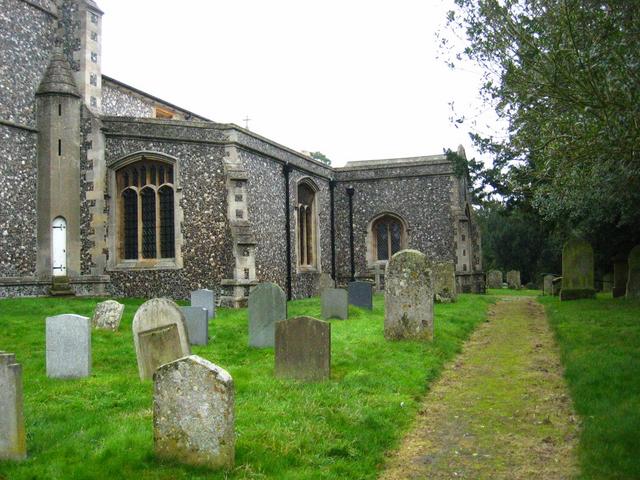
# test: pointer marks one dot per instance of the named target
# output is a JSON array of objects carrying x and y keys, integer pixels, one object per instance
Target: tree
[
  {"x": 320, "y": 157},
  {"x": 565, "y": 75}
]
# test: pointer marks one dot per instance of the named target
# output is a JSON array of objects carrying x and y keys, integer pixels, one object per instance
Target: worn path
[{"x": 502, "y": 410}]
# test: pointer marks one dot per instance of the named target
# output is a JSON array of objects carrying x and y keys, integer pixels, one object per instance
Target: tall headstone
[
  {"x": 159, "y": 335},
  {"x": 620, "y": 276},
  {"x": 13, "y": 441},
  {"x": 494, "y": 279},
  {"x": 68, "y": 340},
  {"x": 607, "y": 282},
  {"x": 513, "y": 279},
  {"x": 633, "y": 279},
  {"x": 556, "y": 286},
  {"x": 303, "y": 349},
  {"x": 361, "y": 294},
  {"x": 108, "y": 315},
  {"x": 204, "y": 298},
  {"x": 378, "y": 275},
  {"x": 547, "y": 284},
  {"x": 444, "y": 281},
  {"x": 334, "y": 303},
  {"x": 577, "y": 270},
  {"x": 408, "y": 296},
  {"x": 197, "y": 322},
  {"x": 194, "y": 413},
  {"x": 267, "y": 305}
]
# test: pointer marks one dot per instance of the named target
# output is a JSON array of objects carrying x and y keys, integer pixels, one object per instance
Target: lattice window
[
  {"x": 130, "y": 223},
  {"x": 306, "y": 226},
  {"x": 148, "y": 196},
  {"x": 388, "y": 236},
  {"x": 167, "y": 229}
]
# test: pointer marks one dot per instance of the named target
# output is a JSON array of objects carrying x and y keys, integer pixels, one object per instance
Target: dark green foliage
[{"x": 320, "y": 157}]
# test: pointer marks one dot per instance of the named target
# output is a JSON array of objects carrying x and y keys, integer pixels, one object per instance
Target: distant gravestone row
[{"x": 494, "y": 279}]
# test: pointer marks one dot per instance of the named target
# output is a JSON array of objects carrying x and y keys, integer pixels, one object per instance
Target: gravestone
[
  {"x": 443, "y": 275},
  {"x": 408, "y": 296},
  {"x": 378, "y": 275},
  {"x": 361, "y": 294},
  {"x": 204, "y": 298},
  {"x": 159, "y": 335},
  {"x": 607, "y": 282},
  {"x": 577, "y": 270},
  {"x": 68, "y": 340},
  {"x": 633, "y": 279},
  {"x": 108, "y": 315},
  {"x": 620, "y": 274},
  {"x": 513, "y": 279},
  {"x": 303, "y": 349},
  {"x": 267, "y": 305},
  {"x": 194, "y": 413},
  {"x": 334, "y": 303},
  {"x": 13, "y": 441},
  {"x": 547, "y": 284},
  {"x": 556, "y": 286},
  {"x": 494, "y": 279},
  {"x": 196, "y": 319},
  {"x": 326, "y": 282}
]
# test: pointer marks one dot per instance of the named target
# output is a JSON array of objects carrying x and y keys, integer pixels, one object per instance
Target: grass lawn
[
  {"x": 101, "y": 426},
  {"x": 505, "y": 292},
  {"x": 600, "y": 346}
]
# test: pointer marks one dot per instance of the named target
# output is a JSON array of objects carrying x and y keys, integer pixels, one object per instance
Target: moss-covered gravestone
[
  {"x": 633, "y": 279},
  {"x": 577, "y": 270},
  {"x": 547, "y": 285},
  {"x": 444, "y": 281},
  {"x": 494, "y": 279},
  {"x": 620, "y": 274},
  {"x": 513, "y": 279}
]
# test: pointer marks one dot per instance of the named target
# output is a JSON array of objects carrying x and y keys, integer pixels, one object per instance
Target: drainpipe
[
  {"x": 286, "y": 169},
  {"x": 350, "y": 192},
  {"x": 332, "y": 186}
]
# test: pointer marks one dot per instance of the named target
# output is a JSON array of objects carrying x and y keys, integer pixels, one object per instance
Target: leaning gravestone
[
  {"x": 13, "y": 441},
  {"x": 196, "y": 320},
  {"x": 361, "y": 294},
  {"x": 334, "y": 303},
  {"x": 513, "y": 279},
  {"x": 408, "y": 296},
  {"x": 194, "y": 413},
  {"x": 68, "y": 339},
  {"x": 267, "y": 305},
  {"x": 620, "y": 274},
  {"x": 547, "y": 284},
  {"x": 204, "y": 298},
  {"x": 443, "y": 275},
  {"x": 108, "y": 315},
  {"x": 494, "y": 279},
  {"x": 633, "y": 280},
  {"x": 303, "y": 349},
  {"x": 577, "y": 270},
  {"x": 159, "y": 334}
]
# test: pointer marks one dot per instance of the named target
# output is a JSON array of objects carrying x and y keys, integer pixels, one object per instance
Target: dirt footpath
[{"x": 502, "y": 410}]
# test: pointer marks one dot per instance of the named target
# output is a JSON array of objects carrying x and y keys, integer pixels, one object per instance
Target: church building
[{"x": 105, "y": 189}]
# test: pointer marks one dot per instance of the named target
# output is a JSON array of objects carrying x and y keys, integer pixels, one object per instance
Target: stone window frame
[
  {"x": 371, "y": 240},
  {"x": 115, "y": 236},
  {"x": 315, "y": 265}
]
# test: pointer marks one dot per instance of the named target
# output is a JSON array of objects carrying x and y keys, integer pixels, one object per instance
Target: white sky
[{"x": 354, "y": 79}]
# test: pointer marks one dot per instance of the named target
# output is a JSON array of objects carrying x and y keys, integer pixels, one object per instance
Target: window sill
[
  {"x": 139, "y": 265},
  {"x": 307, "y": 269}
]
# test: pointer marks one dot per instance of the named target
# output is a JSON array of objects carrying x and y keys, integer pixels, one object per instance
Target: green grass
[
  {"x": 101, "y": 426},
  {"x": 508, "y": 292},
  {"x": 600, "y": 345}
]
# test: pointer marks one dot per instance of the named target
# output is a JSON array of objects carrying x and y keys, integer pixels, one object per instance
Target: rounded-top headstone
[
  {"x": 267, "y": 305},
  {"x": 159, "y": 334},
  {"x": 633, "y": 279},
  {"x": 577, "y": 270},
  {"x": 408, "y": 296}
]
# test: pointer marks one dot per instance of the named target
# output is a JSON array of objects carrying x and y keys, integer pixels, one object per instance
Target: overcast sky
[{"x": 354, "y": 79}]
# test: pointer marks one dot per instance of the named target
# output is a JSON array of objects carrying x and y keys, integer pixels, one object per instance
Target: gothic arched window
[
  {"x": 388, "y": 237},
  {"x": 146, "y": 210},
  {"x": 306, "y": 227}
]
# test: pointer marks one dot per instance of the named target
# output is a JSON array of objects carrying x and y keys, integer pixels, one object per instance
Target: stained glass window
[
  {"x": 388, "y": 234},
  {"x": 130, "y": 223},
  {"x": 148, "y": 197},
  {"x": 167, "y": 235}
]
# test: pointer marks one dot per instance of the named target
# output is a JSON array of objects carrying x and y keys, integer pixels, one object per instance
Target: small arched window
[
  {"x": 146, "y": 210},
  {"x": 388, "y": 236},
  {"x": 306, "y": 226}
]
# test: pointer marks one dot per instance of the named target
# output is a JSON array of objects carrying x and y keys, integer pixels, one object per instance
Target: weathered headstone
[
  {"x": 196, "y": 319},
  {"x": 633, "y": 279},
  {"x": 620, "y": 274},
  {"x": 159, "y": 334},
  {"x": 194, "y": 413},
  {"x": 443, "y": 275},
  {"x": 267, "y": 305},
  {"x": 361, "y": 294},
  {"x": 204, "y": 298},
  {"x": 326, "y": 282},
  {"x": 577, "y": 270},
  {"x": 334, "y": 303},
  {"x": 303, "y": 349},
  {"x": 378, "y": 275},
  {"x": 68, "y": 340},
  {"x": 513, "y": 279},
  {"x": 108, "y": 315},
  {"x": 13, "y": 441},
  {"x": 494, "y": 279},
  {"x": 556, "y": 286},
  {"x": 547, "y": 284},
  {"x": 408, "y": 296},
  {"x": 607, "y": 282}
]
